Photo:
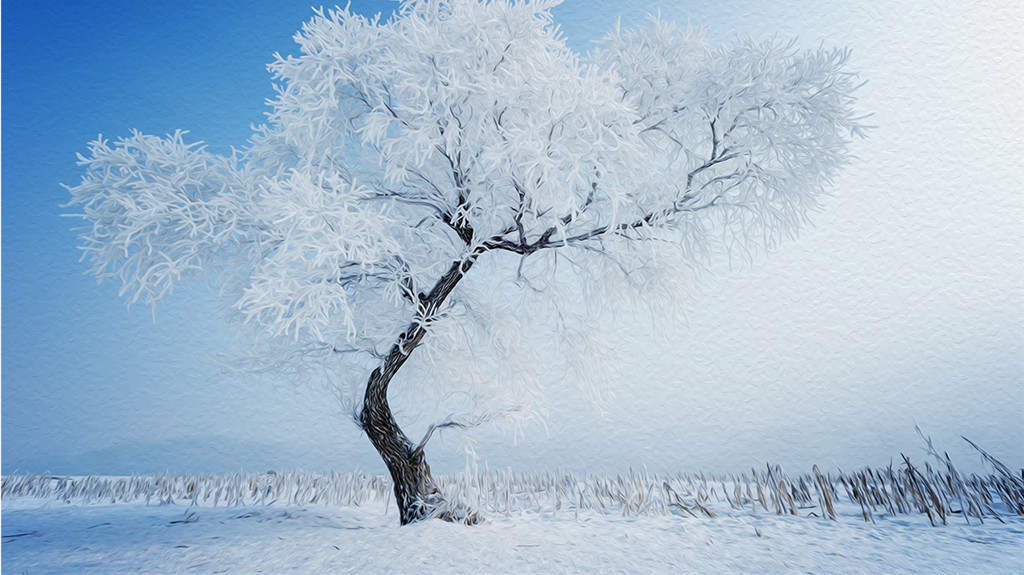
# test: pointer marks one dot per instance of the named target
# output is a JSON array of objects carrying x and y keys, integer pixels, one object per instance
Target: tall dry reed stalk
[{"x": 940, "y": 494}]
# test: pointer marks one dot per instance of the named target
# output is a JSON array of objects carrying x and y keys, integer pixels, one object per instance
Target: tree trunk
[{"x": 415, "y": 492}]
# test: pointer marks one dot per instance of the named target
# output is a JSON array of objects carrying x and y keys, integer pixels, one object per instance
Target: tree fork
[{"x": 415, "y": 492}]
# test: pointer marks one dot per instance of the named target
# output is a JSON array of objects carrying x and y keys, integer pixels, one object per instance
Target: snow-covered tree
[{"x": 401, "y": 156}]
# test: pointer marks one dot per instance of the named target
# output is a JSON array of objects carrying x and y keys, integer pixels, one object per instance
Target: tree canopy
[{"x": 398, "y": 152}]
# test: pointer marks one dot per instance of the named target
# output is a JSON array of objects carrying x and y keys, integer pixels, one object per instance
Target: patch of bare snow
[{"x": 55, "y": 538}]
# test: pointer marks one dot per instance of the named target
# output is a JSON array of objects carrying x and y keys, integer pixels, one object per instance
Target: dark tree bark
[{"x": 416, "y": 494}]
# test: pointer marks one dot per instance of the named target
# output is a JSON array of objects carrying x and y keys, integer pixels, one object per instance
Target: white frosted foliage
[{"x": 461, "y": 131}]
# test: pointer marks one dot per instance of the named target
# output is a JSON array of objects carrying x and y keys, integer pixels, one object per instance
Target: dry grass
[{"x": 941, "y": 493}]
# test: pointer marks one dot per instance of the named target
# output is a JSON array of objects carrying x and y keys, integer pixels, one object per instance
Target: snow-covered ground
[
  {"x": 71, "y": 535},
  {"x": 129, "y": 538}
]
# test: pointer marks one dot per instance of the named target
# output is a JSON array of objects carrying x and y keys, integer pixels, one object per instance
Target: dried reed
[{"x": 940, "y": 494}]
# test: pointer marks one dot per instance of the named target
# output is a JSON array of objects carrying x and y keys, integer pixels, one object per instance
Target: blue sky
[{"x": 904, "y": 304}]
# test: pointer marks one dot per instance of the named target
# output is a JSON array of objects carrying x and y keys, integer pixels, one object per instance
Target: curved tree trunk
[{"x": 415, "y": 492}]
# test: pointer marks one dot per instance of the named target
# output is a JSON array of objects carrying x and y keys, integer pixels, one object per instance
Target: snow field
[
  {"x": 905, "y": 520},
  {"x": 55, "y": 538}
]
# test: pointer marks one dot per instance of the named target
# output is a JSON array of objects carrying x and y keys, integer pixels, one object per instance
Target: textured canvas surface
[{"x": 902, "y": 304}]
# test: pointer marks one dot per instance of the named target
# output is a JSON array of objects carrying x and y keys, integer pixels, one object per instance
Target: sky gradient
[{"x": 903, "y": 304}]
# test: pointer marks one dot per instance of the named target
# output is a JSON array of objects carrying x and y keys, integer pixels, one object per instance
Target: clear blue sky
[{"x": 904, "y": 304}]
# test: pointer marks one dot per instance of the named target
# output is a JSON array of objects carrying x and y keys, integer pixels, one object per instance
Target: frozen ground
[{"x": 44, "y": 535}]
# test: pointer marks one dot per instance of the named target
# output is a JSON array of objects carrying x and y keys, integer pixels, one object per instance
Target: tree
[{"x": 401, "y": 154}]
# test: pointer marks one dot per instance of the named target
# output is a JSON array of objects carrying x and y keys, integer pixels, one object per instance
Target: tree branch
[{"x": 412, "y": 336}]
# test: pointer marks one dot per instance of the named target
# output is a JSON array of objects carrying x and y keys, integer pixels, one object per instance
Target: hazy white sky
[{"x": 903, "y": 304}]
